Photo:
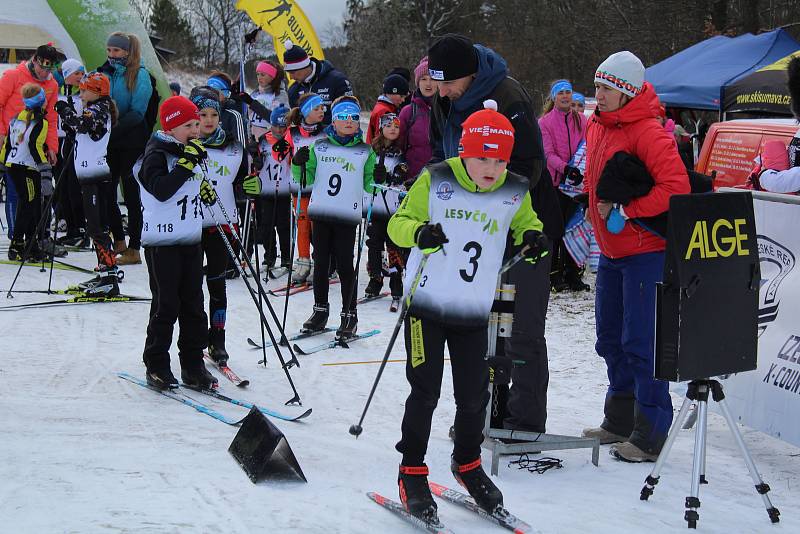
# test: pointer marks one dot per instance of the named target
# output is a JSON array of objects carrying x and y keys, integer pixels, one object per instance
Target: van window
[{"x": 732, "y": 155}]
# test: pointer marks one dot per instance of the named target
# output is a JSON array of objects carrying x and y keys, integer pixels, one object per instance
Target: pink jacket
[
  {"x": 11, "y": 100},
  {"x": 560, "y": 137}
]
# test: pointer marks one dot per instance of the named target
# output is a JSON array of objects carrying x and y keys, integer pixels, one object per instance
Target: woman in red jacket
[{"x": 638, "y": 409}]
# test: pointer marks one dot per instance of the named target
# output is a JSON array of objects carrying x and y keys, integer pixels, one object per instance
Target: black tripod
[{"x": 698, "y": 392}]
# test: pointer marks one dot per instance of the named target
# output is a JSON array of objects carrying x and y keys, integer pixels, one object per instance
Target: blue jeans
[
  {"x": 636, "y": 404},
  {"x": 11, "y": 204}
]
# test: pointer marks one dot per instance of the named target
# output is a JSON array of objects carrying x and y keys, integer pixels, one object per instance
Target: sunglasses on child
[
  {"x": 347, "y": 117},
  {"x": 48, "y": 64}
]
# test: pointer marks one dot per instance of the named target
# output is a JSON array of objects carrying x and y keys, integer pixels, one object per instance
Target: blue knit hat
[{"x": 278, "y": 116}]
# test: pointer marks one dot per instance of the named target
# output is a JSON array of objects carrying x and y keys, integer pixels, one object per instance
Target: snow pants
[
  {"x": 217, "y": 263},
  {"x": 274, "y": 217},
  {"x": 425, "y": 340},
  {"x": 303, "y": 227},
  {"x": 95, "y": 207},
  {"x": 176, "y": 283},
  {"x": 11, "y": 204},
  {"x": 28, "y": 186},
  {"x": 337, "y": 240},
  {"x": 527, "y": 396},
  {"x": 637, "y": 405},
  {"x": 377, "y": 238}
]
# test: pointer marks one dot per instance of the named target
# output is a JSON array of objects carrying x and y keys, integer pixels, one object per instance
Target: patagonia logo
[{"x": 619, "y": 82}]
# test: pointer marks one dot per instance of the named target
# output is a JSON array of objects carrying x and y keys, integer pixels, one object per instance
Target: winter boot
[
  {"x": 198, "y": 377},
  {"x": 107, "y": 285},
  {"x": 628, "y": 452},
  {"x": 349, "y": 324},
  {"x": 374, "y": 287},
  {"x": 395, "y": 305},
  {"x": 131, "y": 256},
  {"x": 302, "y": 270},
  {"x": 603, "y": 436},
  {"x": 318, "y": 319},
  {"x": 216, "y": 346},
  {"x": 16, "y": 250},
  {"x": 161, "y": 378},
  {"x": 478, "y": 485},
  {"x": 35, "y": 254},
  {"x": 415, "y": 494}
]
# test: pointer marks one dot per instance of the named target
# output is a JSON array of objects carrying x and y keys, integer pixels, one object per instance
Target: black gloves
[
  {"x": 431, "y": 236},
  {"x": 537, "y": 244},
  {"x": 400, "y": 173},
  {"x": 301, "y": 156},
  {"x": 572, "y": 175},
  {"x": 60, "y": 106},
  {"x": 242, "y": 97},
  {"x": 281, "y": 148},
  {"x": 379, "y": 174}
]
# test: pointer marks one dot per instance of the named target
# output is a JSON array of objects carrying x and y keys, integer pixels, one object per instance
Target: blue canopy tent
[{"x": 694, "y": 77}]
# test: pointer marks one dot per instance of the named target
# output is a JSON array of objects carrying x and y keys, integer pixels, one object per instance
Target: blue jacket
[
  {"x": 491, "y": 82},
  {"x": 131, "y": 105},
  {"x": 328, "y": 82}
]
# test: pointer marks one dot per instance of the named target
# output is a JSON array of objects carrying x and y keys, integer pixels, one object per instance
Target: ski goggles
[
  {"x": 48, "y": 64},
  {"x": 346, "y": 111},
  {"x": 389, "y": 119}
]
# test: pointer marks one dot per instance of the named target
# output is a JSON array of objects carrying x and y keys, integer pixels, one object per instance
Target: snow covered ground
[{"x": 84, "y": 451}]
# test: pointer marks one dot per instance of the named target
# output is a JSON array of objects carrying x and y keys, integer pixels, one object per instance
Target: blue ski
[
  {"x": 249, "y": 405},
  {"x": 335, "y": 343},
  {"x": 185, "y": 399}
]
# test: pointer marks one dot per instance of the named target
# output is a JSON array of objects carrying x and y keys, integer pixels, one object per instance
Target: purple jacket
[
  {"x": 560, "y": 137},
  {"x": 415, "y": 135}
]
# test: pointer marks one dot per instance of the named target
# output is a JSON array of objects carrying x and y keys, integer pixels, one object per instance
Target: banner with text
[
  {"x": 283, "y": 19},
  {"x": 768, "y": 399}
]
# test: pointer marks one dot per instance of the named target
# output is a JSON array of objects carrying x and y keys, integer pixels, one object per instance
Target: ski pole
[
  {"x": 357, "y": 429},
  {"x": 260, "y": 297},
  {"x": 261, "y": 290},
  {"x": 296, "y": 398},
  {"x": 39, "y": 226},
  {"x": 401, "y": 192},
  {"x": 293, "y": 242}
]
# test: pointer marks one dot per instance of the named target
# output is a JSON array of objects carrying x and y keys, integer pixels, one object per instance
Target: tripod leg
[
  {"x": 652, "y": 479},
  {"x": 693, "y": 500},
  {"x": 761, "y": 487}
]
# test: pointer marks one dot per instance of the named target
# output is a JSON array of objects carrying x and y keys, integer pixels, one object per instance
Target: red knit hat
[
  {"x": 486, "y": 134},
  {"x": 177, "y": 110}
]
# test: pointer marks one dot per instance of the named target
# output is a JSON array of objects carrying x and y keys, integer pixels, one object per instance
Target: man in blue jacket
[
  {"x": 314, "y": 76},
  {"x": 466, "y": 75}
]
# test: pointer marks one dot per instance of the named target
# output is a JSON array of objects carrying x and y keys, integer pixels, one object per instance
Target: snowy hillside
[{"x": 84, "y": 451}]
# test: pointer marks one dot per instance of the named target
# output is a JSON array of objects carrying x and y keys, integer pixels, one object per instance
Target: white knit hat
[
  {"x": 71, "y": 66},
  {"x": 622, "y": 71}
]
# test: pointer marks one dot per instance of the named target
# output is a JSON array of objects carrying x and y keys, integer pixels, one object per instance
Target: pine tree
[{"x": 168, "y": 23}]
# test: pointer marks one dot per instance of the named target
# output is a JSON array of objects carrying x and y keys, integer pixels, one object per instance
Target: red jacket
[
  {"x": 381, "y": 107},
  {"x": 634, "y": 129},
  {"x": 11, "y": 100}
]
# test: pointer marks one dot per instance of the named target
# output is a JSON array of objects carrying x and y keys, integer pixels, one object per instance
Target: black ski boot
[
  {"x": 16, "y": 251},
  {"x": 318, "y": 319},
  {"x": 415, "y": 494},
  {"x": 347, "y": 328},
  {"x": 36, "y": 254},
  {"x": 216, "y": 346},
  {"x": 161, "y": 378},
  {"x": 478, "y": 485},
  {"x": 107, "y": 285},
  {"x": 198, "y": 377},
  {"x": 374, "y": 287}
]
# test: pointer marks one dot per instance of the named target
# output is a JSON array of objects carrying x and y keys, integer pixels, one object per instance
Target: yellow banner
[{"x": 283, "y": 19}]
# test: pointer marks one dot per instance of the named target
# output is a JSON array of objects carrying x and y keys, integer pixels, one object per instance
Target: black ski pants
[
  {"x": 217, "y": 263},
  {"x": 527, "y": 397},
  {"x": 28, "y": 185},
  {"x": 337, "y": 240},
  {"x": 95, "y": 208},
  {"x": 274, "y": 217},
  {"x": 176, "y": 283},
  {"x": 377, "y": 238},
  {"x": 425, "y": 340},
  {"x": 121, "y": 160}
]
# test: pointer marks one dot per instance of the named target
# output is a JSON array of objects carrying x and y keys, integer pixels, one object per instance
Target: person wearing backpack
[{"x": 132, "y": 91}]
